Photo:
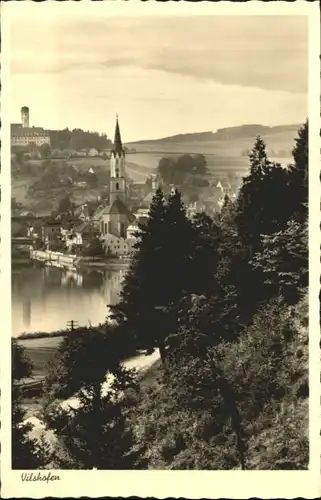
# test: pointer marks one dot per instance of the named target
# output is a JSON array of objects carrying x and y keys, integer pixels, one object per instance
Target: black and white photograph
[{"x": 159, "y": 169}]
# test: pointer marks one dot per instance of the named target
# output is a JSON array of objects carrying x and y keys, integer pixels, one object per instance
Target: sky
[{"x": 162, "y": 75}]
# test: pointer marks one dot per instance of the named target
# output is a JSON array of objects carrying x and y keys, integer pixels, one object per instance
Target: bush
[{"x": 94, "y": 249}]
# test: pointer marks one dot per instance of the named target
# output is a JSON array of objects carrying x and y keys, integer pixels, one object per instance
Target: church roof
[
  {"x": 117, "y": 146},
  {"x": 118, "y": 207},
  {"x": 149, "y": 197}
]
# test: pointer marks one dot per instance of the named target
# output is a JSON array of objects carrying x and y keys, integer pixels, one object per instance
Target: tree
[
  {"x": 261, "y": 207},
  {"x": 20, "y": 156},
  {"x": 27, "y": 453},
  {"x": 45, "y": 151},
  {"x": 149, "y": 183},
  {"x": 200, "y": 164},
  {"x": 139, "y": 295},
  {"x": 207, "y": 236},
  {"x": 94, "y": 249},
  {"x": 166, "y": 169},
  {"x": 184, "y": 170},
  {"x": 65, "y": 205},
  {"x": 95, "y": 433},
  {"x": 298, "y": 174},
  {"x": 159, "y": 275},
  {"x": 284, "y": 261}
]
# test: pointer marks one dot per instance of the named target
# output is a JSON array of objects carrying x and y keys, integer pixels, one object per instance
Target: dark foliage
[
  {"x": 27, "y": 453},
  {"x": 78, "y": 139},
  {"x": 94, "y": 434},
  {"x": 186, "y": 170}
]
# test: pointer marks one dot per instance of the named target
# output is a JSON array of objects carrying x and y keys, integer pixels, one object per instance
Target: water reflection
[
  {"x": 45, "y": 298},
  {"x": 26, "y": 312}
]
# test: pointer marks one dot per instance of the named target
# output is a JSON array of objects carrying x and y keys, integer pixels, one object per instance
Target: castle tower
[
  {"x": 25, "y": 116},
  {"x": 117, "y": 188}
]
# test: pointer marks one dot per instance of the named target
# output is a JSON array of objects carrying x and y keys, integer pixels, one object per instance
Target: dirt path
[{"x": 140, "y": 363}]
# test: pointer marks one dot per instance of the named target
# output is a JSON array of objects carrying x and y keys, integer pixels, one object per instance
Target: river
[{"x": 46, "y": 298}]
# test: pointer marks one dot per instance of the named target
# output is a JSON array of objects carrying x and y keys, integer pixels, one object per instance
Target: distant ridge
[{"x": 228, "y": 133}]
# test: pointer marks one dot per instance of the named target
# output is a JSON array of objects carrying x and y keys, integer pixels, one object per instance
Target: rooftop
[
  {"x": 118, "y": 207},
  {"x": 20, "y": 131}
]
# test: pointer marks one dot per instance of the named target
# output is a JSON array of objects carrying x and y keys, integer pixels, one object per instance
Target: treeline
[
  {"x": 279, "y": 153},
  {"x": 224, "y": 301},
  {"x": 78, "y": 139}
]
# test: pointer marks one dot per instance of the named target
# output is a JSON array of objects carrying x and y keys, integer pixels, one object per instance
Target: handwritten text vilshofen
[{"x": 30, "y": 476}]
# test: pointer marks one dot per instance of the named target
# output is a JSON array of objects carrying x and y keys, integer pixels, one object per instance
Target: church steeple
[
  {"x": 117, "y": 146},
  {"x": 117, "y": 168}
]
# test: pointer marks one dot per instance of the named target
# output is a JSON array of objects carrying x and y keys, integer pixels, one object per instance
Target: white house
[
  {"x": 71, "y": 239},
  {"x": 92, "y": 152},
  {"x": 114, "y": 245},
  {"x": 131, "y": 231},
  {"x": 81, "y": 152},
  {"x": 142, "y": 212}
]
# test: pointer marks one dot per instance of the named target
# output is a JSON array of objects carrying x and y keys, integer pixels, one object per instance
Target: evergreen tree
[
  {"x": 27, "y": 453},
  {"x": 95, "y": 433},
  {"x": 206, "y": 241},
  {"x": 298, "y": 174},
  {"x": 159, "y": 275},
  {"x": 261, "y": 207},
  {"x": 284, "y": 261},
  {"x": 138, "y": 297}
]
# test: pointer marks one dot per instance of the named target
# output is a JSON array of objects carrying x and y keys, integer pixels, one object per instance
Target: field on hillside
[
  {"x": 83, "y": 164},
  {"x": 233, "y": 147},
  {"x": 222, "y": 156},
  {"x": 44, "y": 201},
  {"x": 141, "y": 165},
  {"x": 40, "y": 351}
]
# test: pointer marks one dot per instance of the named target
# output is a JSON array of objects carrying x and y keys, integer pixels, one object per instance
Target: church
[{"x": 116, "y": 217}]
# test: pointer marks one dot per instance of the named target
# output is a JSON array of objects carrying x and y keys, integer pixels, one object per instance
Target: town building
[
  {"x": 92, "y": 152},
  {"x": 115, "y": 218},
  {"x": 23, "y": 135},
  {"x": 51, "y": 232}
]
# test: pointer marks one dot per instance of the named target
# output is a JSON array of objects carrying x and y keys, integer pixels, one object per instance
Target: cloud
[
  {"x": 149, "y": 104},
  {"x": 267, "y": 52}
]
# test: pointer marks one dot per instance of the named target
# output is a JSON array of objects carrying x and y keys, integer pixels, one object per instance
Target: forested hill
[
  {"x": 228, "y": 133},
  {"x": 78, "y": 139}
]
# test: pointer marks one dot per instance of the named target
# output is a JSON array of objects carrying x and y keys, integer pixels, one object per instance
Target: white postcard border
[{"x": 162, "y": 484}]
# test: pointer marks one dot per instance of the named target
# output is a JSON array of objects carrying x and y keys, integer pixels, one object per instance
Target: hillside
[
  {"x": 227, "y": 133},
  {"x": 275, "y": 433},
  {"x": 225, "y": 151}
]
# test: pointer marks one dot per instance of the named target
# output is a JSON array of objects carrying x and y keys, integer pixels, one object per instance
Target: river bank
[
  {"x": 63, "y": 260},
  {"x": 117, "y": 263},
  {"x": 58, "y": 333}
]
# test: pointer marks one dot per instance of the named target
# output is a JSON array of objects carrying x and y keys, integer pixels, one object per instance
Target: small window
[{"x": 117, "y": 186}]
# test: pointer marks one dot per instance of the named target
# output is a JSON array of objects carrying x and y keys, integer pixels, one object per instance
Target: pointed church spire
[{"x": 118, "y": 147}]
